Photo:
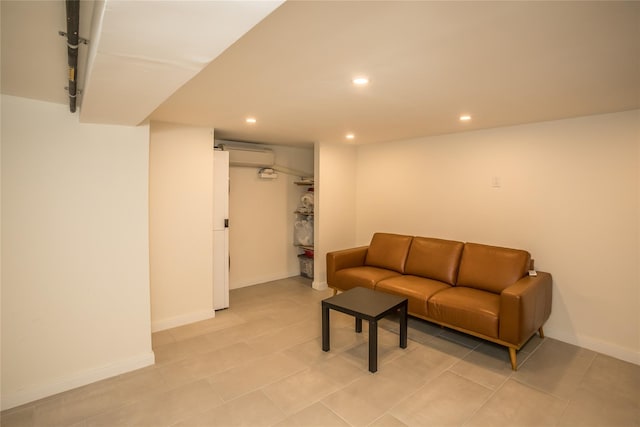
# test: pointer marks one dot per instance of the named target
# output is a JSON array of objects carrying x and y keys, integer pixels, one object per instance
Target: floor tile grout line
[
  {"x": 118, "y": 406},
  {"x": 318, "y": 400},
  {"x": 257, "y": 388},
  {"x": 564, "y": 411},
  {"x": 538, "y": 389},
  {"x": 426, "y": 383},
  {"x": 488, "y": 399},
  {"x": 336, "y": 414},
  {"x": 563, "y": 406},
  {"x": 569, "y": 400}
]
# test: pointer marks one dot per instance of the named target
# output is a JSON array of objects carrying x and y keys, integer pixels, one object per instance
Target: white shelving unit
[{"x": 303, "y": 229}]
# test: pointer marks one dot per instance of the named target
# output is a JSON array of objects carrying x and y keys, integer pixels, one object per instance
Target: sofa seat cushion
[
  {"x": 466, "y": 308},
  {"x": 364, "y": 276},
  {"x": 416, "y": 289},
  {"x": 388, "y": 251}
]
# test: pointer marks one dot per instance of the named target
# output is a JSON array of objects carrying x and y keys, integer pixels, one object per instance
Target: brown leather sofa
[{"x": 482, "y": 290}]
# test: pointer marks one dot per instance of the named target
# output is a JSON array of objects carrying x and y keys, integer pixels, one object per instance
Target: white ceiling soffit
[
  {"x": 142, "y": 51},
  {"x": 504, "y": 63}
]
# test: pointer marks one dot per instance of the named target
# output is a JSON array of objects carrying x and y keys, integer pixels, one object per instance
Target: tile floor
[{"x": 259, "y": 363}]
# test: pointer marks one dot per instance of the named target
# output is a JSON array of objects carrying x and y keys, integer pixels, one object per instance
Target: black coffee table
[{"x": 367, "y": 304}]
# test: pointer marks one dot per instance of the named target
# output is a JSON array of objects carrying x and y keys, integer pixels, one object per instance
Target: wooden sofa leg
[
  {"x": 512, "y": 357},
  {"x": 541, "y": 332},
  {"x": 335, "y": 292}
]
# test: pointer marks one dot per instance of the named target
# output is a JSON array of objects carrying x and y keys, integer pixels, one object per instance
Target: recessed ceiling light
[
  {"x": 350, "y": 136},
  {"x": 360, "y": 81},
  {"x": 250, "y": 120},
  {"x": 465, "y": 118}
]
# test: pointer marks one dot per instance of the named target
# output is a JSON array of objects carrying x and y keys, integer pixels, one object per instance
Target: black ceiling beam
[{"x": 73, "y": 41}]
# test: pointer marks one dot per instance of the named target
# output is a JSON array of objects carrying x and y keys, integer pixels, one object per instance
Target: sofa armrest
[
  {"x": 524, "y": 307},
  {"x": 346, "y": 258}
]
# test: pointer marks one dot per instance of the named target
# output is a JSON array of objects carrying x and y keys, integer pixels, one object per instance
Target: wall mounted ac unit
[{"x": 247, "y": 156}]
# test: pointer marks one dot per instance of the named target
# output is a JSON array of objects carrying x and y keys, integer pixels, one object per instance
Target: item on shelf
[
  {"x": 303, "y": 232},
  {"x": 306, "y": 266},
  {"x": 304, "y": 181},
  {"x": 306, "y": 202}
]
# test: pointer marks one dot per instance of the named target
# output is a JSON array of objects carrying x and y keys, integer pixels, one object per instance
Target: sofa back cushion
[
  {"x": 388, "y": 251},
  {"x": 434, "y": 259},
  {"x": 491, "y": 268}
]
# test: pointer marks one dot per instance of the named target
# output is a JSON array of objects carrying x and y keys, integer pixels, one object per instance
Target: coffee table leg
[
  {"x": 358, "y": 324},
  {"x": 403, "y": 326},
  {"x": 325, "y": 328},
  {"x": 373, "y": 346}
]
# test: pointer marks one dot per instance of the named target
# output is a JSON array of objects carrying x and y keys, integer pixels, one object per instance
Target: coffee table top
[{"x": 365, "y": 301}]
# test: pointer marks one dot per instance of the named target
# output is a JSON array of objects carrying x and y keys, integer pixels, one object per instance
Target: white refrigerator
[{"x": 220, "y": 229}]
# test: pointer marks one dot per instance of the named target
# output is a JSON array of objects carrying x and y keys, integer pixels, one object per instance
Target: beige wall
[
  {"x": 180, "y": 224},
  {"x": 75, "y": 275},
  {"x": 262, "y": 220},
  {"x": 568, "y": 193},
  {"x": 75, "y": 221},
  {"x": 336, "y": 207}
]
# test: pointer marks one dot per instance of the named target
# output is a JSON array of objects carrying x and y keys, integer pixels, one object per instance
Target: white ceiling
[
  {"x": 34, "y": 56},
  {"x": 504, "y": 63},
  {"x": 148, "y": 50},
  {"x": 139, "y": 52}
]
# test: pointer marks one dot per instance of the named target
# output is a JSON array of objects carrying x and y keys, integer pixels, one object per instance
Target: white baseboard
[
  {"x": 263, "y": 279},
  {"x": 623, "y": 353},
  {"x": 319, "y": 286},
  {"x": 185, "y": 319},
  {"x": 79, "y": 379}
]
